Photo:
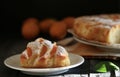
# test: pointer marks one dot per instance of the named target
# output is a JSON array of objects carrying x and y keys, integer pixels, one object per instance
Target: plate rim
[
  {"x": 45, "y": 70},
  {"x": 94, "y": 44},
  {"x": 90, "y": 42}
]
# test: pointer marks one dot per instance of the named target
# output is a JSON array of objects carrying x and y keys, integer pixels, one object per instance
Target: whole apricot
[
  {"x": 30, "y": 28},
  {"x": 58, "y": 30},
  {"x": 69, "y": 21},
  {"x": 45, "y": 24}
]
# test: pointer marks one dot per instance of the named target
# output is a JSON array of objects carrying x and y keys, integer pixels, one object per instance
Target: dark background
[{"x": 13, "y": 12}]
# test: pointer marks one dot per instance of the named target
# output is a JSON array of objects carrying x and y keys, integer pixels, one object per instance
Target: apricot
[
  {"x": 30, "y": 28},
  {"x": 45, "y": 25},
  {"x": 69, "y": 21},
  {"x": 58, "y": 30}
]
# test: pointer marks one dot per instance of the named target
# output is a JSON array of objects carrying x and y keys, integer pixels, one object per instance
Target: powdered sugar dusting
[
  {"x": 61, "y": 51},
  {"x": 106, "y": 21}
]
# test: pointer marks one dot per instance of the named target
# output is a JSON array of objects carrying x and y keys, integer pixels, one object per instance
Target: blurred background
[{"x": 14, "y": 12}]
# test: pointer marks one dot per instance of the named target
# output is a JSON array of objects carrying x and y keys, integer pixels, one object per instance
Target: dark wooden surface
[{"x": 11, "y": 45}]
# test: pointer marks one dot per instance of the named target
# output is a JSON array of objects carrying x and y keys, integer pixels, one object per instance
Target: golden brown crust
[{"x": 101, "y": 28}]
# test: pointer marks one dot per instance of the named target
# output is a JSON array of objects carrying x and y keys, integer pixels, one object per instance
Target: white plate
[
  {"x": 14, "y": 63},
  {"x": 115, "y": 47}
]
